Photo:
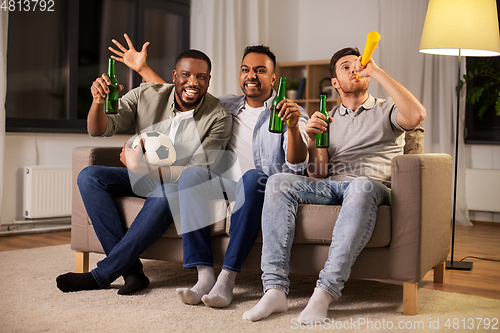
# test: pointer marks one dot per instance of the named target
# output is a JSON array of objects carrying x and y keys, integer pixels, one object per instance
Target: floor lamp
[{"x": 460, "y": 28}]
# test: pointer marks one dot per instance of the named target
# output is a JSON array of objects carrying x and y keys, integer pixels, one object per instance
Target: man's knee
[
  {"x": 254, "y": 180},
  {"x": 363, "y": 185},
  {"x": 87, "y": 175},
  {"x": 193, "y": 176},
  {"x": 365, "y": 189},
  {"x": 281, "y": 182}
]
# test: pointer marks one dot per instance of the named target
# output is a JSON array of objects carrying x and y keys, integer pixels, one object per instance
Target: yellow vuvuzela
[{"x": 371, "y": 44}]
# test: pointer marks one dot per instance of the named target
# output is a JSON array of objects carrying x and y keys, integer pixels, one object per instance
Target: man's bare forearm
[
  {"x": 150, "y": 76},
  {"x": 96, "y": 119},
  {"x": 318, "y": 160},
  {"x": 296, "y": 150}
]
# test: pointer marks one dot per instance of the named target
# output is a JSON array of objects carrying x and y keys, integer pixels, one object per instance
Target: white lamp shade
[{"x": 470, "y": 26}]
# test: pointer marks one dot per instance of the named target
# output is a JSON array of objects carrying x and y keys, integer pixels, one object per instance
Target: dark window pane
[
  {"x": 36, "y": 65},
  {"x": 54, "y": 57},
  {"x": 165, "y": 31},
  {"x": 101, "y": 21}
]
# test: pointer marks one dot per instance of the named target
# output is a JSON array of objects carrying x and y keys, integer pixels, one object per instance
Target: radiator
[
  {"x": 47, "y": 192},
  {"x": 483, "y": 189}
]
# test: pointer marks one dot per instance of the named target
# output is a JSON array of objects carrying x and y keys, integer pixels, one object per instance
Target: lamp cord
[{"x": 479, "y": 258}]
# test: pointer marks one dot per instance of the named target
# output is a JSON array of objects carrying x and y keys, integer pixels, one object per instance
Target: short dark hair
[
  {"x": 194, "y": 54},
  {"x": 339, "y": 54},
  {"x": 262, "y": 50}
]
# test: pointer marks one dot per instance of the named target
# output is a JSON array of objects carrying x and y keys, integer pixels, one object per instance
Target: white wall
[
  {"x": 29, "y": 149},
  {"x": 483, "y": 157},
  {"x": 314, "y": 30}
]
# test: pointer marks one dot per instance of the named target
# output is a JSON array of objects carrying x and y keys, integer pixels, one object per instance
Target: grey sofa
[{"x": 410, "y": 238}]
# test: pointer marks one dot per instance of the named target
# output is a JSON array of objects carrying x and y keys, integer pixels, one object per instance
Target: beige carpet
[{"x": 31, "y": 302}]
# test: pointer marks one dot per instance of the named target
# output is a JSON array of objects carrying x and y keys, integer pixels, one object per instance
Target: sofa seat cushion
[
  {"x": 315, "y": 225},
  {"x": 130, "y": 206}
]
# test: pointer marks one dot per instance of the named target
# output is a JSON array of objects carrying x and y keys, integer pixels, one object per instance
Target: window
[
  {"x": 485, "y": 129},
  {"x": 53, "y": 57}
]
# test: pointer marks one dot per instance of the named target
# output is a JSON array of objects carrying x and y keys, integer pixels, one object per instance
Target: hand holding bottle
[
  {"x": 323, "y": 139},
  {"x": 289, "y": 112},
  {"x": 100, "y": 89},
  {"x": 316, "y": 125},
  {"x": 275, "y": 122}
]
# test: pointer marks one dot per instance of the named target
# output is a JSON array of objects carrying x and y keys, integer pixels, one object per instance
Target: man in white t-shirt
[{"x": 257, "y": 153}]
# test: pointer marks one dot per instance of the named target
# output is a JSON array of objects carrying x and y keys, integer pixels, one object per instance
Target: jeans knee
[
  {"x": 280, "y": 182},
  {"x": 363, "y": 185},
  {"x": 87, "y": 176},
  {"x": 254, "y": 180},
  {"x": 193, "y": 176}
]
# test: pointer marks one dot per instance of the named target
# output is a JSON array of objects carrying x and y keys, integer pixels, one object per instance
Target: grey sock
[
  {"x": 206, "y": 280},
  {"x": 221, "y": 294}
]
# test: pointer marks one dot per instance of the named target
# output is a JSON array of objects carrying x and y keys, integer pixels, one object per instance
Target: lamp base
[{"x": 459, "y": 265}]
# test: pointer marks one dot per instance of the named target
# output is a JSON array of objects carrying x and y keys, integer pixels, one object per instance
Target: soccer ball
[{"x": 158, "y": 149}]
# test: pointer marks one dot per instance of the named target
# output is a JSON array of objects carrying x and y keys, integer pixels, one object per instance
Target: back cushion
[{"x": 414, "y": 141}]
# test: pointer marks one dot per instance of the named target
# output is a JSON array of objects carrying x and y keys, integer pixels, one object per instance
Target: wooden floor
[{"x": 480, "y": 240}]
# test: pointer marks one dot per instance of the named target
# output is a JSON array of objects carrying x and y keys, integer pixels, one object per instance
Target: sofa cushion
[
  {"x": 315, "y": 225},
  {"x": 130, "y": 206}
]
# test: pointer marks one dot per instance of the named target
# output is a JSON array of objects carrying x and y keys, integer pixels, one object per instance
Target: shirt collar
[
  {"x": 367, "y": 105},
  {"x": 268, "y": 102}
]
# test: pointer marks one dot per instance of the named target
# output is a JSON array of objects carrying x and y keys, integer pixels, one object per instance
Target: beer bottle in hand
[
  {"x": 275, "y": 122},
  {"x": 323, "y": 139},
  {"x": 111, "y": 102}
]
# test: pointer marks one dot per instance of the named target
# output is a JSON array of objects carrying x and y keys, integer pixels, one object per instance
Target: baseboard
[{"x": 486, "y": 223}]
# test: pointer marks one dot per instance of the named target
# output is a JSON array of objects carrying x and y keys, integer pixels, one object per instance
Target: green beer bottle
[
  {"x": 323, "y": 139},
  {"x": 275, "y": 122},
  {"x": 111, "y": 102}
]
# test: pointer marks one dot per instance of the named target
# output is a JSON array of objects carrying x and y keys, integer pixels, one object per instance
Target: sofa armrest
[
  {"x": 421, "y": 214},
  {"x": 81, "y": 238}
]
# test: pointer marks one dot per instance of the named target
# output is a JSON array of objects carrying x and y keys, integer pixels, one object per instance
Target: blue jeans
[
  {"x": 354, "y": 226},
  {"x": 248, "y": 194},
  {"x": 99, "y": 187}
]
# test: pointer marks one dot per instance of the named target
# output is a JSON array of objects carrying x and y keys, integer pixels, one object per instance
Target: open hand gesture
[{"x": 132, "y": 58}]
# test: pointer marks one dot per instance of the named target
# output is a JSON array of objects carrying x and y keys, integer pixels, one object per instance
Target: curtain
[
  {"x": 4, "y": 19},
  {"x": 431, "y": 78},
  {"x": 228, "y": 26}
]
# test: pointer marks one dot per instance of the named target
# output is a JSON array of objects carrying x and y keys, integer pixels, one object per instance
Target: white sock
[
  {"x": 317, "y": 307},
  {"x": 273, "y": 301},
  {"x": 221, "y": 294},
  {"x": 206, "y": 280}
]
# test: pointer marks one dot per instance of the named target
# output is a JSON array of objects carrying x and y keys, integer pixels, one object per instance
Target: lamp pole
[{"x": 451, "y": 264}]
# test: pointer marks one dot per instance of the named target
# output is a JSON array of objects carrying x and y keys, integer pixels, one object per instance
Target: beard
[
  {"x": 185, "y": 104},
  {"x": 354, "y": 88}
]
